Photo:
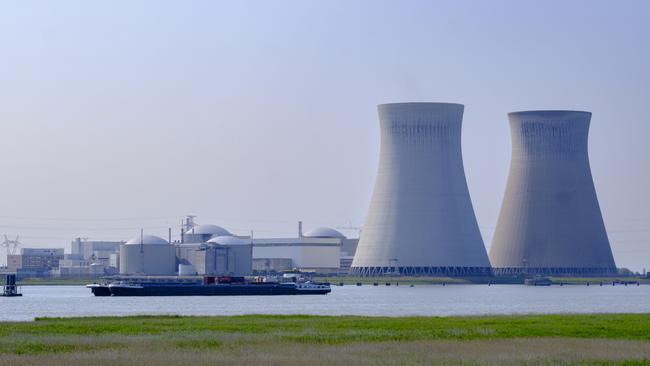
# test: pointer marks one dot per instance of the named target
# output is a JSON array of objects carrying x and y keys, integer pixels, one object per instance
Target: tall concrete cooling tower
[
  {"x": 550, "y": 221},
  {"x": 420, "y": 220}
]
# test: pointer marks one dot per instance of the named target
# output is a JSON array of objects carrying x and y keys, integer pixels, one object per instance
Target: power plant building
[
  {"x": 550, "y": 221},
  {"x": 34, "y": 261},
  {"x": 316, "y": 251},
  {"x": 204, "y": 232},
  {"x": 147, "y": 255},
  {"x": 421, "y": 220},
  {"x": 219, "y": 255}
]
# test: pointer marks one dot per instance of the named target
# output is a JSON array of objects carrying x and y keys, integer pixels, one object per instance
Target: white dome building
[
  {"x": 147, "y": 255},
  {"x": 229, "y": 240},
  {"x": 325, "y": 232},
  {"x": 203, "y": 233}
]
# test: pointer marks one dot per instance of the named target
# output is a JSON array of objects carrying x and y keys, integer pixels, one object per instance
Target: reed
[{"x": 612, "y": 339}]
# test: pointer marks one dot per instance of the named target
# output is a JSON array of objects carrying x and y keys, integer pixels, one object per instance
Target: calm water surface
[{"x": 68, "y": 301}]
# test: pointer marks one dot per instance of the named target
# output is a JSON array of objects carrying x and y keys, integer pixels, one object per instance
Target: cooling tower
[
  {"x": 550, "y": 221},
  {"x": 420, "y": 220}
]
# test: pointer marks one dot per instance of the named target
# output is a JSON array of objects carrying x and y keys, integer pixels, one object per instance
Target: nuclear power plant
[
  {"x": 421, "y": 220},
  {"x": 550, "y": 221}
]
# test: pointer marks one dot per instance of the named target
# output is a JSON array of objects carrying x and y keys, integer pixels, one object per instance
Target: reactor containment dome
[
  {"x": 550, "y": 221},
  {"x": 147, "y": 255},
  {"x": 420, "y": 220}
]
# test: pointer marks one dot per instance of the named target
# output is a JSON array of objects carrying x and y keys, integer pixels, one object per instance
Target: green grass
[
  {"x": 314, "y": 329},
  {"x": 619, "y": 339}
]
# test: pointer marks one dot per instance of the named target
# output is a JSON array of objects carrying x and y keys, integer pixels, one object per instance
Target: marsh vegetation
[{"x": 293, "y": 340}]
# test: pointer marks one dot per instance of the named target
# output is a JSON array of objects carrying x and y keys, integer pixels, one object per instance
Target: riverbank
[
  {"x": 500, "y": 280},
  {"x": 392, "y": 280},
  {"x": 617, "y": 339}
]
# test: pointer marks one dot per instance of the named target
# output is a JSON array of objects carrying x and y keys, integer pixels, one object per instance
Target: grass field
[{"x": 300, "y": 340}]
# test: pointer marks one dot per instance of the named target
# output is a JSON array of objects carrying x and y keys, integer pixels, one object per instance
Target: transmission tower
[{"x": 10, "y": 245}]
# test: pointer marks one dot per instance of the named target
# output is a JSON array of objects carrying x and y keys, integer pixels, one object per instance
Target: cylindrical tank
[
  {"x": 149, "y": 255},
  {"x": 550, "y": 221},
  {"x": 421, "y": 220}
]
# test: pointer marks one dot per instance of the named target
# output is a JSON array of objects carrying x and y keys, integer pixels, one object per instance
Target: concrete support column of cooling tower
[
  {"x": 421, "y": 220},
  {"x": 550, "y": 220}
]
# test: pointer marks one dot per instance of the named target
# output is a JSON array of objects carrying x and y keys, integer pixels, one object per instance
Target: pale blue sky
[{"x": 253, "y": 115}]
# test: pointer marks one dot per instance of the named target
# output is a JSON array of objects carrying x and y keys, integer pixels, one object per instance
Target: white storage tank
[{"x": 147, "y": 255}]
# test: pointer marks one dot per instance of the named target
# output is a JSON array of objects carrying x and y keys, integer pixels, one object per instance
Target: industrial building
[
  {"x": 72, "y": 266},
  {"x": 95, "y": 250},
  {"x": 208, "y": 249},
  {"x": 317, "y": 251},
  {"x": 421, "y": 220},
  {"x": 218, "y": 255},
  {"x": 203, "y": 233},
  {"x": 34, "y": 261},
  {"x": 147, "y": 255},
  {"x": 550, "y": 221},
  {"x": 87, "y": 257},
  {"x": 212, "y": 250}
]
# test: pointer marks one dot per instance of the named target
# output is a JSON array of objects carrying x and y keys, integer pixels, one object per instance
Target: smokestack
[{"x": 300, "y": 229}]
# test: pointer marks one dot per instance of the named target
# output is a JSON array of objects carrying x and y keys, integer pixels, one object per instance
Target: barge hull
[{"x": 214, "y": 290}]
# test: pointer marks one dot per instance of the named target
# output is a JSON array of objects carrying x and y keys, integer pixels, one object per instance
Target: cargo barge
[{"x": 211, "y": 286}]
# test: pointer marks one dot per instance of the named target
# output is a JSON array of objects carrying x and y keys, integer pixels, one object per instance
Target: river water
[{"x": 74, "y": 301}]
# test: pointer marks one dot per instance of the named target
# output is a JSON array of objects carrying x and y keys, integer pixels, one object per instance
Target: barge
[{"x": 211, "y": 286}]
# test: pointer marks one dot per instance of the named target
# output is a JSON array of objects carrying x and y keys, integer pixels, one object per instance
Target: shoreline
[{"x": 394, "y": 280}]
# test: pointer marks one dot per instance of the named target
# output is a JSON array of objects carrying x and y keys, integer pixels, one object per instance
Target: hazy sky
[{"x": 253, "y": 115}]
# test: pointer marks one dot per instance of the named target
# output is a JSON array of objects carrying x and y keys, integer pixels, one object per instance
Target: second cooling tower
[
  {"x": 550, "y": 220},
  {"x": 421, "y": 220}
]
